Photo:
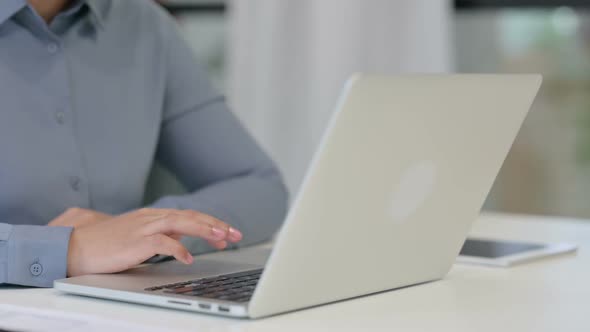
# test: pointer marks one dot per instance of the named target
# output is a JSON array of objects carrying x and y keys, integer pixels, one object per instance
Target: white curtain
[{"x": 288, "y": 60}]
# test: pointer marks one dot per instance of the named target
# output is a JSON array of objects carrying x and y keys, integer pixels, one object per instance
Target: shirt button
[
  {"x": 60, "y": 117},
  {"x": 36, "y": 269},
  {"x": 52, "y": 48},
  {"x": 75, "y": 183}
]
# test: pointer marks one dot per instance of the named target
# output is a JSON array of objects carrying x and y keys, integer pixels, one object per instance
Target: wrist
[{"x": 73, "y": 265}]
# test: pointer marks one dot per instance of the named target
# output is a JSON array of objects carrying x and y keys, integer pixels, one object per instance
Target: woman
[{"x": 92, "y": 92}]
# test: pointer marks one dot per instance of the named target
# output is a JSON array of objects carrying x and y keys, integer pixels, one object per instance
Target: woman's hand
[
  {"x": 78, "y": 217},
  {"x": 122, "y": 242}
]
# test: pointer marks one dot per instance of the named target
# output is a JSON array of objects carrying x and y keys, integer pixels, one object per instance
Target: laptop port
[
  {"x": 223, "y": 309},
  {"x": 205, "y": 306}
]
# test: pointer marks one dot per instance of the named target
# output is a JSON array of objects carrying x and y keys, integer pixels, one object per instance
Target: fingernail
[
  {"x": 218, "y": 233},
  {"x": 189, "y": 258},
  {"x": 235, "y": 234}
]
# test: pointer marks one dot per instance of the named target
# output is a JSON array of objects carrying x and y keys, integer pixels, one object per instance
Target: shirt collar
[
  {"x": 10, "y": 7},
  {"x": 98, "y": 9}
]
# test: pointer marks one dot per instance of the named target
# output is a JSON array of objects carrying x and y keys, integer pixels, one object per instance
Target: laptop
[{"x": 400, "y": 175}]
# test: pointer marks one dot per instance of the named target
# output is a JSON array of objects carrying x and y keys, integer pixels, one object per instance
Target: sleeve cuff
[{"x": 37, "y": 255}]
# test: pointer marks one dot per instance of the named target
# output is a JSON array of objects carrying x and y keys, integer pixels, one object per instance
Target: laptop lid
[{"x": 402, "y": 172}]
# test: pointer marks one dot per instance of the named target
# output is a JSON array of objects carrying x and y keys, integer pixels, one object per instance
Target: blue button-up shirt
[{"x": 87, "y": 103}]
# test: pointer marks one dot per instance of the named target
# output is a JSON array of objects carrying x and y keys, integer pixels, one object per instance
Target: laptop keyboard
[{"x": 235, "y": 287}]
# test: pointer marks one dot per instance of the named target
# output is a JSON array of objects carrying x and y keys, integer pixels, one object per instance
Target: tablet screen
[{"x": 495, "y": 249}]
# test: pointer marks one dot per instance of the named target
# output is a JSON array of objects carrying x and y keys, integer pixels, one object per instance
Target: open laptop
[{"x": 402, "y": 172}]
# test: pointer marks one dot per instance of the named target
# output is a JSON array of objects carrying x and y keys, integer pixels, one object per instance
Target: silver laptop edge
[{"x": 400, "y": 175}]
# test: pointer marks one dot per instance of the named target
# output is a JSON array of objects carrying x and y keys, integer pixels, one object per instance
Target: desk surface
[{"x": 548, "y": 295}]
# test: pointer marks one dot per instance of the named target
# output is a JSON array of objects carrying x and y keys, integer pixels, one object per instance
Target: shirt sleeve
[
  {"x": 33, "y": 255},
  {"x": 204, "y": 145}
]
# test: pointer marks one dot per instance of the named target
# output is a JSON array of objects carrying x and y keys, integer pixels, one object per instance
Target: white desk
[{"x": 548, "y": 295}]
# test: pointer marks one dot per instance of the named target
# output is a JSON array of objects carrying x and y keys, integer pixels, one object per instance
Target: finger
[
  {"x": 150, "y": 214},
  {"x": 219, "y": 245},
  {"x": 205, "y": 218},
  {"x": 175, "y": 237},
  {"x": 234, "y": 235},
  {"x": 175, "y": 224},
  {"x": 164, "y": 245}
]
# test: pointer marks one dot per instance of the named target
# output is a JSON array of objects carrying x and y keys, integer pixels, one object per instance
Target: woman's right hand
[{"x": 122, "y": 242}]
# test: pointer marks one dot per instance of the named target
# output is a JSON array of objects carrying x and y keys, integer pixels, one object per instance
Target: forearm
[
  {"x": 255, "y": 204},
  {"x": 33, "y": 255},
  {"x": 227, "y": 174}
]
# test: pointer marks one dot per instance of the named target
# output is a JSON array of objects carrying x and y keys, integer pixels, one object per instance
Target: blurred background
[{"x": 282, "y": 64}]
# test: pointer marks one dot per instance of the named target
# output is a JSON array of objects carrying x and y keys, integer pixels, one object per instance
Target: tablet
[{"x": 507, "y": 253}]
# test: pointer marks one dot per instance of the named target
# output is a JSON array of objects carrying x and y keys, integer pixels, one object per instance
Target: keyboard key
[
  {"x": 173, "y": 286},
  {"x": 185, "y": 289},
  {"x": 179, "y": 290},
  {"x": 195, "y": 293}
]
